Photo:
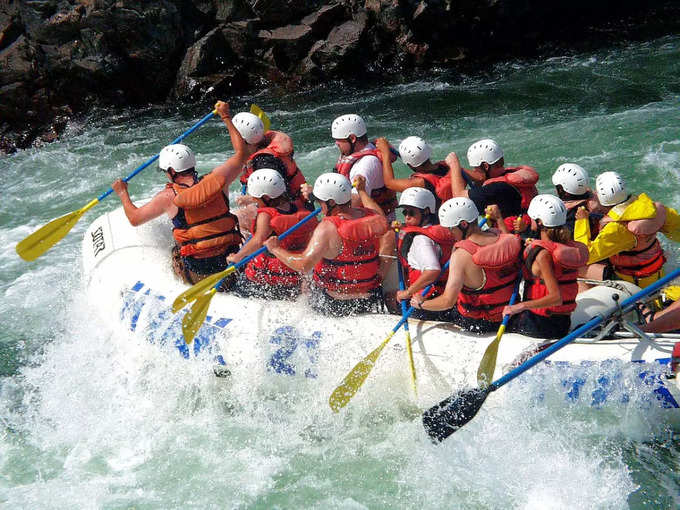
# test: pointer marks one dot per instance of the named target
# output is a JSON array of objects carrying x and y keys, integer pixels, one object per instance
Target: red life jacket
[
  {"x": 267, "y": 269},
  {"x": 203, "y": 226},
  {"x": 438, "y": 183},
  {"x": 566, "y": 259},
  {"x": 385, "y": 198},
  {"x": 500, "y": 263},
  {"x": 355, "y": 269},
  {"x": 440, "y": 235},
  {"x": 647, "y": 257},
  {"x": 280, "y": 145},
  {"x": 523, "y": 179}
]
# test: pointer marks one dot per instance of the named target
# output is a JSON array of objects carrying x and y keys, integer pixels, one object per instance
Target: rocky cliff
[{"x": 60, "y": 57}]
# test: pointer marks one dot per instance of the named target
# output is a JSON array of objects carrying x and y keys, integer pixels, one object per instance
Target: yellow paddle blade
[
  {"x": 198, "y": 290},
  {"x": 256, "y": 110},
  {"x": 355, "y": 378},
  {"x": 47, "y": 236},
  {"x": 412, "y": 365},
  {"x": 488, "y": 363},
  {"x": 194, "y": 318}
]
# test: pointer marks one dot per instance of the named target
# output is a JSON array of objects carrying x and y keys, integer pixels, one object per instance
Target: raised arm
[
  {"x": 232, "y": 167},
  {"x": 388, "y": 172},
  {"x": 457, "y": 182}
]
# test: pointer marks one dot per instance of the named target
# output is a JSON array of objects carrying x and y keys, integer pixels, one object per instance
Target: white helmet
[
  {"x": 572, "y": 177},
  {"x": 419, "y": 198},
  {"x": 611, "y": 188},
  {"x": 458, "y": 209},
  {"x": 484, "y": 151},
  {"x": 346, "y": 125},
  {"x": 250, "y": 126},
  {"x": 414, "y": 151},
  {"x": 178, "y": 157},
  {"x": 549, "y": 209},
  {"x": 266, "y": 181},
  {"x": 332, "y": 186}
]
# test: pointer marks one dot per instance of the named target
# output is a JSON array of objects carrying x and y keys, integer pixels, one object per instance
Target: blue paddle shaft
[
  {"x": 410, "y": 310},
  {"x": 402, "y": 284},
  {"x": 292, "y": 229},
  {"x": 154, "y": 158},
  {"x": 592, "y": 323}
]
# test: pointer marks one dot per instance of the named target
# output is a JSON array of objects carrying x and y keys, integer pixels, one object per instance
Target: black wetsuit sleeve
[{"x": 507, "y": 198}]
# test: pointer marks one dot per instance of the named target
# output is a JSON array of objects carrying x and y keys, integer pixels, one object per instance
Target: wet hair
[
  {"x": 563, "y": 195},
  {"x": 269, "y": 161},
  {"x": 561, "y": 234}
]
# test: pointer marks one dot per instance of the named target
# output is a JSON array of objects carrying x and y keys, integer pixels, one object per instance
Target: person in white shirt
[{"x": 423, "y": 248}]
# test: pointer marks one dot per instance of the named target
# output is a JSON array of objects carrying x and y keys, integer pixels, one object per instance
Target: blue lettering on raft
[
  {"x": 165, "y": 327},
  {"x": 609, "y": 384},
  {"x": 289, "y": 339}
]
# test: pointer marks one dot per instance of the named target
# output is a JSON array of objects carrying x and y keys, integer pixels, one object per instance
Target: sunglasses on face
[{"x": 410, "y": 212}]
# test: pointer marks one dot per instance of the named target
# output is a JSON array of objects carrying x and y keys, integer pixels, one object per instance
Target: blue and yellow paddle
[
  {"x": 203, "y": 292},
  {"x": 409, "y": 349},
  {"x": 455, "y": 411},
  {"x": 47, "y": 236},
  {"x": 357, "y": 376}
]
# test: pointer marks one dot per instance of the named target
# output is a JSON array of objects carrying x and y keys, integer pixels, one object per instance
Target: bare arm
[
  {"x": 542, "y": 268},
  {"x": 159, "y": 204},
  {"x": 457, "y": 182},
  {"x": 262, "y": 231},
  {"x": 426, "y": 278},
  {"x": 366, "y": 199},
  {"x": 388, "y": 172},
  {"x": 325, "y": 243},
  {"x": 231, "y": 168},
  {"x": 454, "y": 284}
]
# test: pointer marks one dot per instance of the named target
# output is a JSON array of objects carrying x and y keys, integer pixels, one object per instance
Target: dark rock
[
  {"x": 208, "y": 64},
  {"x": 288, "y": 44},
  {"x": 343, "y": 42},
  {"x": 324, "y": 19}
]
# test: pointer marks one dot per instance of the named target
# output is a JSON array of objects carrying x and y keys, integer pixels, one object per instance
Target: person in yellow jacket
[{"x": 627, "y": 240}]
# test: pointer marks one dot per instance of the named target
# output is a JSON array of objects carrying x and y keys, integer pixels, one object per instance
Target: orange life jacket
[
  {"x": 267, "y": 269},
  {"x": 566, "y": 259},
  {"x": 280, "y": 145},
  {"x": 500, "y": 263},
  {"x": 523, "y": 179},
  {"x": 440, "y": 235},
  {"x": 439, "y": 183},
  {"x": 385, "y": 198},
  {"x": 203, "y": 226},
  {"x": 355, "y": 269},
  {"x": 647, "y": 257}
]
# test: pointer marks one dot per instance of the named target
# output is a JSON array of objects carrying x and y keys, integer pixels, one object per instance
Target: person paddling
[
  {"x": 204, "y": 228},
  {"x": 423, "y": 248},
  {"x": 265, "y": 276},
  {"x": 483, "y": 270},
  {"x": 506, "y": 197},
  {"x": 270, "y": 149},
  {"x": 415, "y": 153},
  {"x": 551, "y": 265},
  {"x": 342, "y": 252}
]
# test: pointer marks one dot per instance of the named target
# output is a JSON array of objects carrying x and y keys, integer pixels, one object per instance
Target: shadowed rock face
[{"x": 59, "y": 57}]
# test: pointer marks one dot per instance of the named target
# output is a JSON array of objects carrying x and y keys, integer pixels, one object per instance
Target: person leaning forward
[
  {"x": 483, "y": 269},
  {"x": 342, "y": 253},
  {"x": 204, "y": 229}
]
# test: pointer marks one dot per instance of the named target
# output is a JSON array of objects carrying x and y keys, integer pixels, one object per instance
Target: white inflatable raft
[{"x": 129, "y": 277}]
